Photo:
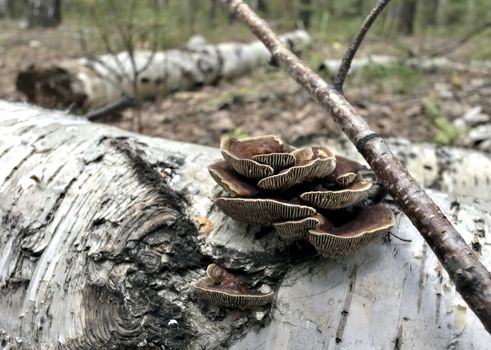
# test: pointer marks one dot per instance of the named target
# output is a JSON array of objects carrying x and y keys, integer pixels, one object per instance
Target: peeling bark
[
  {"x": 101, "y": 237},
  {"x": 92, "y": 83}
]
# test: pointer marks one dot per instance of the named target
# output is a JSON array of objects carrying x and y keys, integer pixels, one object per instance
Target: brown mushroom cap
[
  {"x": 297, "y": 229},
  {"x": 337, "y": 199},
  {"x": 246, "y": 155},
  {"x": 346, "y": 171},
  {"x": 261, "y": 210},
  {"x": 368, "y": 225},
  {"x": 222, "y": 287},
  {"x": 230, "y": 181},
  {"x": 310, "y": 163}
]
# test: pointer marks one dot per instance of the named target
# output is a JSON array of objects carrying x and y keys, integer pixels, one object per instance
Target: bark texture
[
  {"x": 471, "y": 277},
  {"x": 92, "y": 83},
  {"x": 99, "y": 244},
  {"x": 103, "y": 231},
  {"x": 356, "y": 42},
  {"x": 452, "y": 170}
]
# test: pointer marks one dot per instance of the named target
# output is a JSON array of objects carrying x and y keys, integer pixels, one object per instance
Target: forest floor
[{"x": 395, "y": 100}]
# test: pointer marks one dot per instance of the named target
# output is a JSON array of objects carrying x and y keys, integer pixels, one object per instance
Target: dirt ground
[{"x": 267, "y": 101}]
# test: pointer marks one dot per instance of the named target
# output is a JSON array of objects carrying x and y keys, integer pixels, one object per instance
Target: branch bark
[
  {"x": 472, "y": 279},
  {"x": 355, "y": 44}
]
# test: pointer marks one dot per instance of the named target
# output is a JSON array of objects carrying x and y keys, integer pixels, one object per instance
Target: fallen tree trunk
[
  {"x": 453, "y": 170},
  {"x": 90, "y": 83},
  {"x": 471, "y": 277},
  {"x": 104, "y": 230},
  {"x": 434, "y": 64}
]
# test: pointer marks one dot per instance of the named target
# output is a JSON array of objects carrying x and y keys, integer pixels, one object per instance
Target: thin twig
[
  {"x": 399, "y": 238},
  {"x": 118, "y": 106},
  {"x": 472, "y": 280},
  {"x": 356, "y": 42},
  {"x": 446, "y": 49}
]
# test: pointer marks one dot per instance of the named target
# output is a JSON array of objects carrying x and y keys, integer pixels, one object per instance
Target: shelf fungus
[
  {"x": 367, "y": 225},
  {"x": 310, "y": 163},
  {"x": 257, "y": 157},
  {"x": 223, "y": 288},
  {"x": 346, "y": 171},
  {"x": 302, "y": 192},
  {"x": 338, "y": 198}
]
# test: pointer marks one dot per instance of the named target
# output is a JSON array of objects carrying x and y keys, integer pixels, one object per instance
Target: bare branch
[
  {"x": 446, "y": 49},
  {"x": 356, "y": 42},
  {"x": 115, "y": 107},
  {"x": 471, "y": 278}
]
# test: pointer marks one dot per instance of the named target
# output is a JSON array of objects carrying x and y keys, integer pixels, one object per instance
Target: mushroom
[
  {"x": 257, "y": 157},
  {"x": 295, "y": 230},
  {"x": 257, "y": 171},
  {"x": 337, "y": 199},
  {"x": 262, "y": 210},
  {"x": 222, "y": 287},
  {"x": 346, "y": 171},
  {"x": 229, "y": 180},
  {"x": 310, "y": 163},
  {"x": 366, "y": 226}
]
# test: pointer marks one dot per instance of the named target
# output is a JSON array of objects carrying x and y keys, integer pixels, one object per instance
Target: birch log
[
  {"x": 453, "y": 170},
  {"x": 90, "y": 83},
  {"x": 434, "y": 64},
  {"x": 103, "y": 231}
]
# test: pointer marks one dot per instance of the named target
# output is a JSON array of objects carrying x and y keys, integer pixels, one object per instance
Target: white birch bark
[
  {"x": 99, "y": 243},
  {"x": 94, "y": 82}
]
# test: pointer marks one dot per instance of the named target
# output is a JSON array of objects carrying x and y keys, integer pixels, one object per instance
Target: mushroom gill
[
  {"x": 263, "y": 211},
  {"x": 222, "y": 287},
  {"x": 364, "y": 227},
  {"x": 346, "y": 171},
  {"x": 310, "y": 163},
  {"x": 230, "y": 181},
  {"x": 337, "y": 199},
  {"x": 257, "y": 157}
]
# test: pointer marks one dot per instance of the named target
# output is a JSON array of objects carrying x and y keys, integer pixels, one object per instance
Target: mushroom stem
[{"x": 471, "y": 278}]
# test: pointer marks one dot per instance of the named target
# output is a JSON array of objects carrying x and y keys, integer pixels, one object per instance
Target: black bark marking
[
  {"x": 346, "y": 306},
  {"x": 398, "y": 340},
  {"x": 424, "y": 255},
  {"x": 360, "y": 144}
]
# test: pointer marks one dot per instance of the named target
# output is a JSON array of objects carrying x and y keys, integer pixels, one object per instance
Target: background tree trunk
[
  {"x": 406, "y": 17},
  {"x": 44, "y": 13},
  {"x": 16, "y": 8},
  {"x": 442, "y": 12},
  {"x": 305, "y": 10},
  {"x": 104, "y": 230},
  {"x": 430, "y": 11},
  {"x": 3, "y": 8}
]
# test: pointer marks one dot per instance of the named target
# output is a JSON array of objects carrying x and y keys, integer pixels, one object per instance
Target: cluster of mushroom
[{"x": 306, "y": 194}]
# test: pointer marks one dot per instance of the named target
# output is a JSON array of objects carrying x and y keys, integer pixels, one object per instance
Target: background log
[
  {"x": 90, "y": 83},
  {"x": 430, "y": 65},
  {"x": 103, "y": 231}
]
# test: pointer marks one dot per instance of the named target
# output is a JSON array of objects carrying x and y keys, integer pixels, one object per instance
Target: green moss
[{"x": 446, "y": 133}]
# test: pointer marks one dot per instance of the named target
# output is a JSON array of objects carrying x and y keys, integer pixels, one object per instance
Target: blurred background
[{"x": 433, "y": 83}]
